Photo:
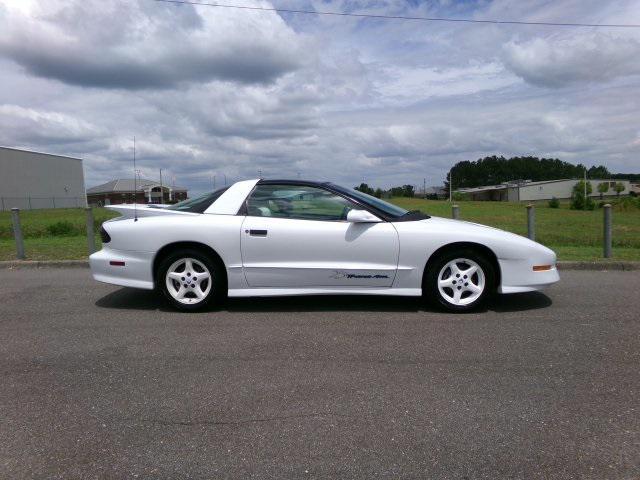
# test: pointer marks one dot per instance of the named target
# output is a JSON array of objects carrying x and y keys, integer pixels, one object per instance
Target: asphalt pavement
[{"x": 106, "y": 382}]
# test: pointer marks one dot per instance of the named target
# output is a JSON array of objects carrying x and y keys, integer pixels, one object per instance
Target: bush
[
  {"x": 554, "y": 203},
  {"x": 460, "y": 197},
  {"x": 626, "y": 204},
  {"x": 62, "y": 228},
  {"x": 578, "y": 200}
]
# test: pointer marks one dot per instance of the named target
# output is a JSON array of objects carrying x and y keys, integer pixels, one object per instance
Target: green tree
[
  {"x": 578, "y": 199},
  {"x": 603, "y": 188},
  {"x": 378, "y": 193},
  {"x": 619, "y": 188},
  {"x": 403, "y": 191},
  {"x": 498, "y": 169},
  {"x": 598, "y": 172},
  {"x": 364, "y": 188}
]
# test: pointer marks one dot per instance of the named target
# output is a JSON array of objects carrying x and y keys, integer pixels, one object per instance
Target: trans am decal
[{"x": 338, "y": 274}]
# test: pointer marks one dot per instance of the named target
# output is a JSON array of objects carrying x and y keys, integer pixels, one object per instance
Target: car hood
[{"x": 504, "y": 244}]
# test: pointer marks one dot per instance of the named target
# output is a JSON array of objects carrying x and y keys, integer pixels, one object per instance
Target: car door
[{"x": 298, "y": 236}]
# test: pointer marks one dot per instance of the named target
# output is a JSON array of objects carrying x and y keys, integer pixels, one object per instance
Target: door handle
[{"x": 258, "y": 233}]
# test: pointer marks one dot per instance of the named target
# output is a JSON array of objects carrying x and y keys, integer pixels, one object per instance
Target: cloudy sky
[{"x": 225, "y": 92}]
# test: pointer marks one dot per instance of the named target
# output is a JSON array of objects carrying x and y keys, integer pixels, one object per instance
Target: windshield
[
  {"x": 386, "y": 207},
  {"x": 198, "y": 204}
]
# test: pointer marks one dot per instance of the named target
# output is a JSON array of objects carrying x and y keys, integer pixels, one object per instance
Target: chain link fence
[{"x": 33, "y": 203}]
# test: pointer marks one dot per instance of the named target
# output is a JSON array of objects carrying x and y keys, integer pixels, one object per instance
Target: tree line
[
  {"x": 403, "y": 191},
  {"x": 495, "y": 170}
]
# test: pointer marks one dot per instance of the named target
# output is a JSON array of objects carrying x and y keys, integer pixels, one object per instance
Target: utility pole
[
  {"x": 450, "y": 183},
  {"x": 585, "y": 188},
  {"x": 161, "y": 188},
  {"x": 424, "y": 188}
]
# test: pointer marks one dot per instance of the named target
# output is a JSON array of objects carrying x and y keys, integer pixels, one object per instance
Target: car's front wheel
[
  {"x": 459, "y": 281},
  {"x": 190, "y": 280}
]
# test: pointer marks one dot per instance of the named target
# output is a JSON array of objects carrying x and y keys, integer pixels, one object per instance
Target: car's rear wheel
[
  {"x": 459, "y": 281},
  {"x": 190, "y": 280}
]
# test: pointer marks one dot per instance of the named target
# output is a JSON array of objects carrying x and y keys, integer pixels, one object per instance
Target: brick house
[{"x": 127, "y": 191}]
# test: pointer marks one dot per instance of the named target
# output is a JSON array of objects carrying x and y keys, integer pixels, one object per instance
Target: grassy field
[
  {"x": 55, "y": 234},
  {"x": 574, "y": 235}
]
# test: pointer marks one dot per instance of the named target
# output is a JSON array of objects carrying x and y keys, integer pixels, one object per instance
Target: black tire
[
  {"x": 216, "y": 293},
  {"x": 431, "y": 290}
]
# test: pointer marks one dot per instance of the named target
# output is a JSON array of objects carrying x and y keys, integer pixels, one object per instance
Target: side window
[{"x": 300, "y": 202}]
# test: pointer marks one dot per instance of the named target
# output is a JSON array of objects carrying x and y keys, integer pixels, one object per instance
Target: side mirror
[{"x": 361, "y": 216}]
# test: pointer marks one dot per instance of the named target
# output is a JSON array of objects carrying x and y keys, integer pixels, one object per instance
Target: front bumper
[
  {"x": 518, "y": 275},
  {"x": 136, "y": 271}
]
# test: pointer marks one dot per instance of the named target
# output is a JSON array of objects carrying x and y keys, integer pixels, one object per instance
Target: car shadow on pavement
[{"x": 134, "y": 299}]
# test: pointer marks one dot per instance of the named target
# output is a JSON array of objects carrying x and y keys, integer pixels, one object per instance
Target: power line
[{"x": 400, "y": 17}]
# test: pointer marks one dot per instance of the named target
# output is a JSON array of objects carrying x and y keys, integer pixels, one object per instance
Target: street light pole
[{"x": 585, "y": 188}]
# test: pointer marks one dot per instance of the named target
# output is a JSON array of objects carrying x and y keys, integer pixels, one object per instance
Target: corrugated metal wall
[{"x": 40, "y": 180}]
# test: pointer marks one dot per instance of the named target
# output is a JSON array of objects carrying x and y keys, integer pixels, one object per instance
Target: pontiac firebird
[{"x": 292, "y": 237}]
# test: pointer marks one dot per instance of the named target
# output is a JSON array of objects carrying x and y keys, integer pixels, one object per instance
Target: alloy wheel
[
  {"x": 188, "y": 281},
  {"x": 461, "y": 281}
]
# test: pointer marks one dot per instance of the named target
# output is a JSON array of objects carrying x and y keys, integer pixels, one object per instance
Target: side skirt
[{"x": 276, "y": 292}]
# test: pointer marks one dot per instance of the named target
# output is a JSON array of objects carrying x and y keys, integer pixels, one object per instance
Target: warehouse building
[
  {"x": 31, "y": 180},
  {"x": 129, "y": 191},
  {"x": 525, "y": 191}
]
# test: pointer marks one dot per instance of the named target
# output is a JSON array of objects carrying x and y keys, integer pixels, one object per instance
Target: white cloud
[
  {"x": 137, "y": 45},
  {"x": 585, "y": 58},
  {"x": 18, "y": 124},
  {"x": 211, "y": 91}
]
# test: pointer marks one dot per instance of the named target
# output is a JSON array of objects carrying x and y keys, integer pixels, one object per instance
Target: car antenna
[{"x": 135, "y": 182}]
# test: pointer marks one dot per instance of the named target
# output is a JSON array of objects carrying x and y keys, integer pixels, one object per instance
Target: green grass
[
  {"x": 48, "y": 248},
  {"x": 36, "y": 223},
  {"x": 574, "y": 235},
  {"x": 40, "y": 244}
]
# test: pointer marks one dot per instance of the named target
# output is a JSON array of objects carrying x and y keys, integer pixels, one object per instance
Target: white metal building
[
  {"x": 30, "y": 180},
  {"x": 526, "y": 191}
]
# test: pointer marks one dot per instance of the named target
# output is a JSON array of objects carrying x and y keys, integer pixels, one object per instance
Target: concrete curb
[
  {"x": 18, "y": 264},
  {"x": 603, "y": 265},
  {"x": 599, "y": 266}
]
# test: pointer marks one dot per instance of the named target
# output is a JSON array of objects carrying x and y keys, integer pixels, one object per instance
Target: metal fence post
[
  {"x": 455, "y": 212},
  {"x": 91, "y": 241},
  {"x": 17, "y": 233},
  {"x": 607, "y": 230},
  {"x": 531, "y": 222}
]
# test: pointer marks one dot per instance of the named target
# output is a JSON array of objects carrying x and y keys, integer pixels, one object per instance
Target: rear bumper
[
  {"x": 518, "y": 276},
  {"x": 136, "y": 271}
]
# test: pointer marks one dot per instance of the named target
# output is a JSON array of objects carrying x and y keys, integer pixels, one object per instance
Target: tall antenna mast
[{"x": 135, "y": 182}]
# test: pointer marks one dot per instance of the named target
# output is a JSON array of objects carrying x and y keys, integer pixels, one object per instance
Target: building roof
[
  {"x": 39, "y": 153},
  {"x": 527, "y": 183},
  {"x": 123, "y": 185}
]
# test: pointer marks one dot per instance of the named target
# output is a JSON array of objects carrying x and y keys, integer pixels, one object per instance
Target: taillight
[{"x": 104, "y": 235}]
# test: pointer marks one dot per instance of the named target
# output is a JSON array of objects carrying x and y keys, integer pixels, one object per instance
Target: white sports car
[{"x": 292, "y": 237}]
